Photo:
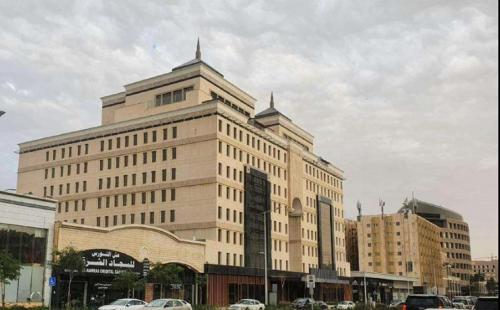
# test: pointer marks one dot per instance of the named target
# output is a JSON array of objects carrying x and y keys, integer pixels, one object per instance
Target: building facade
[
  {"x": 351, "y": 240},
  {"x": 185, "y": 151},
  {"x": 404, "y": 245},
  {"x": 26, "y": 233},
  {"x": 488, "y": 268},
  {"x": 455, "y": 242}
]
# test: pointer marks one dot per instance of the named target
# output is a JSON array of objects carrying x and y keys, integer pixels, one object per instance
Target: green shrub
[{"x": 204, "y": 307}]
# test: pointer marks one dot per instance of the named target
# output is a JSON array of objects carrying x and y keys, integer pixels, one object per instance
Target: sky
[{"x": 401, "y": 95}]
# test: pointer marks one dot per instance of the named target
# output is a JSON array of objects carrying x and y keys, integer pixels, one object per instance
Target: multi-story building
[
  {"x": 401, "y": 244},
  {"x": 455, "y": 239},
  {"x": 351, "y": 243},
  {"x": 26, "y": 234},
  {"x": 185, "y": 151},
  {"x": 488, "y": 268}
]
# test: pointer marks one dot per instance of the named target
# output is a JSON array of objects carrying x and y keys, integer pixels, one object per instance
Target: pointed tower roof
[
  {"x": 271, "y": 110},
  {"x": 196, "y": 60},
  {"x": 198, "y": 50}
]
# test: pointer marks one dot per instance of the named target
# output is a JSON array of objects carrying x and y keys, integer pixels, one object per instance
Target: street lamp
[{"x": 265, "y": 256}]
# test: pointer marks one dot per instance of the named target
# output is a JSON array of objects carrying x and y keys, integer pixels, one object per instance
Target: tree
[
  {"x": 127, "y": 280},
  {"x": 491, "y": 286},
  {"x": 69, "y": 260},
  {"x": 165, "y": 275},
  {"x": 475, "y": 289},
  {"x": 10, "y": 269}
]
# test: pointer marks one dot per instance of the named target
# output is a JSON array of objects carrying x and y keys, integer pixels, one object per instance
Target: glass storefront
[{"x": 28, "y": 245}]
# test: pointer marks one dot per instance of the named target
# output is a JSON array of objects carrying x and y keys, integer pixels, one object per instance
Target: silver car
[{"x": 167, "y": 303}]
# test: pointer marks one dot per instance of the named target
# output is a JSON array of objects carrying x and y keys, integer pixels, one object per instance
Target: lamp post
[
  {"x": 265, "y": 257},
  {"x": 364, "y": 284}
]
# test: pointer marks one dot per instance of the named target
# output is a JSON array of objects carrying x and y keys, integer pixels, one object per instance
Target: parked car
[
  {"x": 247, "y": 304},
  {"x": 321, "y": 304},
  {"x": 301, "y": 303},
  {"x": 346, "y": 305},
  {"x": 167, "y": 303},
  {"x": 396, "y": 304},
  {"x": 459, "y": 305},
  {"x": 466, "y": 300},
  {"x": 486, "y": 303},
  {"x": 426, "y": 301},
  {"x": 124, "y": 303}
]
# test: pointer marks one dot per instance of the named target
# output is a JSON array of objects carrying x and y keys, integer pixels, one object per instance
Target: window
[
  {"x": 174, "y": 132},
  {"x": 173, "y": 173},
  {"x": 174, "y": 153},
  {"x": 162, "y": 216},
  {"x": 177, "y": 95},
  {"x": 172, "y": 215},
  {"x": 151, "y": 217},
  {"x": 143, "y": 218},
  {"x": 172, "y": 194}
]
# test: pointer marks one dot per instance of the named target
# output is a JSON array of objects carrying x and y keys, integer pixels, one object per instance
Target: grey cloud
[{"x": 400, "y": 94}]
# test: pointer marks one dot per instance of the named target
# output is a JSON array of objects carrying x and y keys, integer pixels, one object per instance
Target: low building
[
  {"x": 134, "y": 247},
  {"x": 488, "y": 268},
  {"x": 380, "y": 287},
  {"x": 26, "y": 233}
]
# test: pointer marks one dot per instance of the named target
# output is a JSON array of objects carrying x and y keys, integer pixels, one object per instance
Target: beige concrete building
[
  {"x": 185, "y": 151},
  {"x": 402, "y": 244},
  {"x": 455, "y": 242},
  {"x": 489, "y": 268}
]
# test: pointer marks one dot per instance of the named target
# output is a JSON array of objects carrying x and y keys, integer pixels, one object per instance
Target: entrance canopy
[{"x": 137, "y": 241}]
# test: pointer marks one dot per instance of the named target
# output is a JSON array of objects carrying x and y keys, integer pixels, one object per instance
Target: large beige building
[
  {"x": 401, "y": 244},
  {"x": 455, "y": 243},
  {"x": 488, "y": 268},
  {"x": 185, "y": 151}
]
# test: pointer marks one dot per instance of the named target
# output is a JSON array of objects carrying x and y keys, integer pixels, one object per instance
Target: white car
[
  {"x": 124, "y": 303},
  {"x": 168, "y": 303},
  {"x": 247, "y": 304},
  {"x": 346, "y": 305}
]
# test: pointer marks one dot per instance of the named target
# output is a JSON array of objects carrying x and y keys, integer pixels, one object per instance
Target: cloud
[{"x": 401, "y": 95}]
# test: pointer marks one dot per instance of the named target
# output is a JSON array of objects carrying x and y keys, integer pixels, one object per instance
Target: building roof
[
  {"x": 27, "y": 200},
  {"x": 423, "y": 207},
  {"x": 271, "y": 110},
  {"x": 381, "y": 276},
  {"x": 196, "y": 61}
]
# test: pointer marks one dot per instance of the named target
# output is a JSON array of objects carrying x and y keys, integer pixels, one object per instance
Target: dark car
[
  {"x": 486, "y": 303},
  {"x": 425, "y": 301}
]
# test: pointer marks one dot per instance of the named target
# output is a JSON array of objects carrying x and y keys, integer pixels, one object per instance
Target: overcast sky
[{"x": 402, "y": 95}]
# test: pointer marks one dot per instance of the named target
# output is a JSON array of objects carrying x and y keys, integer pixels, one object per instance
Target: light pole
[
  {"x": 265, "y": 257},
  {"x": 364, "y": 284}
]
